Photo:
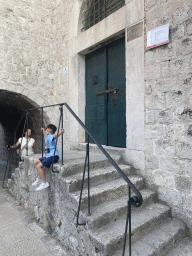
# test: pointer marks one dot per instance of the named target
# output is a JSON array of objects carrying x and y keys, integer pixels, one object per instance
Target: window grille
[{"x": 97, "y": 10}]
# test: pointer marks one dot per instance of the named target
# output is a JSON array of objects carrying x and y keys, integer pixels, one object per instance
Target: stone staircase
[{"x": 154, "y": 231}]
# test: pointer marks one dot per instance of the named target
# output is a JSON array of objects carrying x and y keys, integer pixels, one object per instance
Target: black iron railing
[{"x": 135, "y": 200}]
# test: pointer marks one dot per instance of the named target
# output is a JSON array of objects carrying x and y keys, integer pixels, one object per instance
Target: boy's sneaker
[
  {"x": 37, "y": 182},
  {"x": 42, "y": 186}
]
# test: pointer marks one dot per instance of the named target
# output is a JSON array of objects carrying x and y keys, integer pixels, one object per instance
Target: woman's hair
[
  {"x": 26, "y": 130},
  {"x": 52, "y": 127}
]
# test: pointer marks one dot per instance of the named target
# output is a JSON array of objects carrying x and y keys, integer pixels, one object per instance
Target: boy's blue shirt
[{"x": 50, "y": 146}]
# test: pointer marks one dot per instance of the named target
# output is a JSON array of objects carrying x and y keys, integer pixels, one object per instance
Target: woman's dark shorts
[{"x": 47, "y": 161}]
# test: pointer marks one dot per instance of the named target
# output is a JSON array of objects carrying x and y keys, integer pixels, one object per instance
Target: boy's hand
[
  {"x": 62, "y": 130},
  {"x": 42, "y": 129}
]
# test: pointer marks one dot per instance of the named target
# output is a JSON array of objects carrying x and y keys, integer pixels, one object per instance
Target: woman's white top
[{"x": 24, "y": 144}]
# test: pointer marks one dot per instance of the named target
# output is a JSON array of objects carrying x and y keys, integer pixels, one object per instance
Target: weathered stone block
[
  {"x": 153, "y": 131},
  {"x": 149, "y": 117},
  {"x": 189, "y": 27},
  {"x": 152, "y": 71},
  {"x": 155, "y": 101},
  {"x": 164, "y": 179},
  {"x": 175, "y": 99},
  {"x": 166, "y": 52},
  {"x": 184, "y": 150},
  {"x": 167, "y": 84},
  {"x": 27, "y": 62},
  {"x": 14, "y": 77},
  {"x": 10, "y": 68},
  {"x": 148, "y": 89},
  {"x": 165, "y": 116},
  {"x": 173, "y": 165},
  {"x": 152, "y": 162},
  {"x": 173, "y": 131},
  {"x": 165, "y": 69},
  {"x": 149, "y": 147},
  {"x": 165, "y": 147},
  {"x": 181, "y": 15},
  {"x": 184, "y": 46},
  {"x": 182, "y": 183},
  {"x": 149, "y": 58},
  {"x": 3, "y": 85},
  {"x": 150, "y": 3}
]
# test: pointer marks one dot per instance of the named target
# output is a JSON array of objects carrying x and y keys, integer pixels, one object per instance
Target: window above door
[{"x": 97, "y": 10}]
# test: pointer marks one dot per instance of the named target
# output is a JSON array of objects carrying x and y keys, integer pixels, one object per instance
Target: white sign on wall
[{"x": 158, "y": 36}]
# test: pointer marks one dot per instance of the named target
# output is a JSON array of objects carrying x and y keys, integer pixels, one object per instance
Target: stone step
[
  {"x": 161, "y": 240},
  {"x": 108, "y": 239},
  {"x": 107, "y": 191},
  {"x": 76, "y": 165},
  {"x": 113, "y": 210},
  {"x": 110, "y": 150},
  {"x": 183, "y": 249},
  {"x": 97, "y": 176}
]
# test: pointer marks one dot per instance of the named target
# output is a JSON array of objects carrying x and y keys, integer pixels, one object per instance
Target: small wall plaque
[{"x": 158, "y": 36}]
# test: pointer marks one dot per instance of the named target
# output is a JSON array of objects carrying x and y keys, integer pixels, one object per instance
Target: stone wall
[
  {"x": 168, "y": 105},
  {"x": 32, "y": 53},
  {"x": 54, "y": 208}
]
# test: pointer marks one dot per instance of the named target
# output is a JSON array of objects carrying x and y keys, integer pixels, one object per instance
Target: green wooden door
[{"x": 105, "y": 107}]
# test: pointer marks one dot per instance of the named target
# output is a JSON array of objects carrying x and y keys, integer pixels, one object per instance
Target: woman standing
[{"x": 27, "y": 144}]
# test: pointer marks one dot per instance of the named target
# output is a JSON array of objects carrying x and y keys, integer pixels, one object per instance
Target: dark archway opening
[{"x": 12, "y": 106}]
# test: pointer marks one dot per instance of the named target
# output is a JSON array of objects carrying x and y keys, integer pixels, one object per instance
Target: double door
[{"x": 105, "y": 94}]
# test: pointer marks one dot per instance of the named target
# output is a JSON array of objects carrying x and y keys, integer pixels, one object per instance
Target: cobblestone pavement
[{"x": 20, "y": 234}]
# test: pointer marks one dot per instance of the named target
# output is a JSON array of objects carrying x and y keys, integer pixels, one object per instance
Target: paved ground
[{"x": 19, "y": 233}]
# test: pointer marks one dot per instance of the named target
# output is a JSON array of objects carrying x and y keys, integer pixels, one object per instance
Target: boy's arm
[{"x": 62, "y": 131}]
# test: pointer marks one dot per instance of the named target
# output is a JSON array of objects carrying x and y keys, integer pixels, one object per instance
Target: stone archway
[{"x": 12, "y": 106}]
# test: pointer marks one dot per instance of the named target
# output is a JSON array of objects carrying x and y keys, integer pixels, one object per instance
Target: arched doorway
[{"x": 12, "y": 106}]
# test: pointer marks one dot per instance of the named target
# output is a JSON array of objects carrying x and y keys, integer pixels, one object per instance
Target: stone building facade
[{"x": 42, "y": 62}]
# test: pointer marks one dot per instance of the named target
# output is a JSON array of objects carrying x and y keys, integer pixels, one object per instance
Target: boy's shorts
[{"x": 47, "y": 161}]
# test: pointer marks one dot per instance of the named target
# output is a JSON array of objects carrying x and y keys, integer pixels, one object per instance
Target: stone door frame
[{"x": 124, "y": 20}]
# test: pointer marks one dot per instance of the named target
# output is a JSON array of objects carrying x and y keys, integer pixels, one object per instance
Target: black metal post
[
  {"x": 27, "y": 133},
  {"x": 14, "y": 143},
  {"x": 128, "y": 222},
  {"x": 89, "y": 213},
  {"x": 79, "y": 207},
  {"x": 8, "y": 159},
  {"x": 61, "y": 109},
  {"x": 57, "y": 138},
  {"x": 10, "y": 162},
  {"x": 129, "y": 214},
  {"x": 23, "y": 132},
  {"x": 42, "y": 135}
]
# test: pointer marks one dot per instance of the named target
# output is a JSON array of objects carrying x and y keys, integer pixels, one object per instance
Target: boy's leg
[
  {"x": 36, "y": 162},
  {"x": 40, "y": 171}
]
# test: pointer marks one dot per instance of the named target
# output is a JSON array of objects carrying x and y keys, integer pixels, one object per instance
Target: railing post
[
  {"x": 14, "y": 142},
  {"x": 23, "y": 133},
  {"x": 128, "y": 222},
  {"x": 8, "y": 158},
  {"x": 57, "y": 139},
  {"x": 42, "y": 135},
  {"x": 88, "y": 185},
  {"x": 27, "y": 133},
  {"x": 62, "y": 133},
  {"x": 129, "y": 214}
]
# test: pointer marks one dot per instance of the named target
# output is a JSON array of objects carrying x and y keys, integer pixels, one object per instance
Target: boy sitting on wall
[{"x": 50, "y": 140}]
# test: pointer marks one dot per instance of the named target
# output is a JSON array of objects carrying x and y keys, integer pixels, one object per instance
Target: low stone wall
[{"x": 53, "y": 207}]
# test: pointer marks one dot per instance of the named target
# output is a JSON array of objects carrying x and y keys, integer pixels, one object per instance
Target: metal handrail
[
  {"x": 138, "y": 202},
  {"x": 135, "y": 201}
]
